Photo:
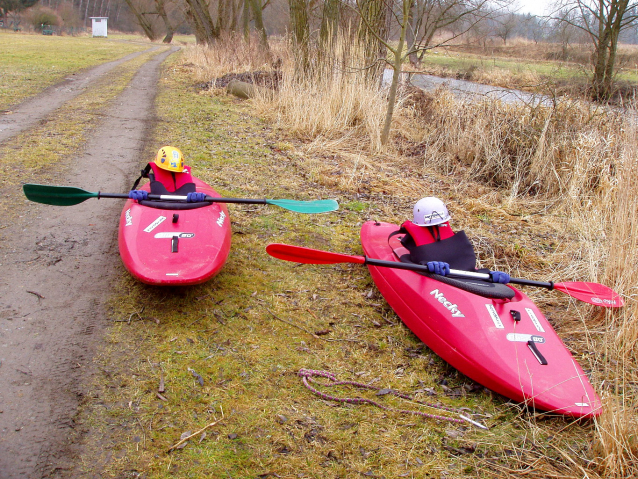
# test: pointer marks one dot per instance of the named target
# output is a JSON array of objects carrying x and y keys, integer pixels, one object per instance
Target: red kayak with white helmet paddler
[
  {"x": 473, "y": 319},
  {"x": 489, "y": 331}
]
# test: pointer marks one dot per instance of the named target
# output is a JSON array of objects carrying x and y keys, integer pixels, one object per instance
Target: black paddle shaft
[
  {"x": 528, "y": 282},
  {"x": 208, "y": 198},
  {"x": 424, "y": 269},
  {"x": 397, "y": 265}
]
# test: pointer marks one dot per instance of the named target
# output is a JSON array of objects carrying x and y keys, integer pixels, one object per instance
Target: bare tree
[
  {"x": 505, "y": 26},
  {"x": 257, "y": 9},
  {"x": 331, "y": 12},
  {"x": 161, "y": 11},
  {"x": 438, "y": 15},
  {"x": 198, "y": 14},
  {"x": 300, "y": 31},
  {"x": 376, "y": 16},
  {"x": 429, "y": 17},
  {"x": 602, "y": 21},
  {"x": 143, "y": 22}
]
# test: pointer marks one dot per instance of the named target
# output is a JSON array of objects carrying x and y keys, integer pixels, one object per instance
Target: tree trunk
[
  {"x": 329, "y": 23},
  {"x": 412, "y": 36},
  {"x": 161, "y": 10},
  {"x": 222, "y": 15},
  {"x": 398, "y": 62},
  {"x": 246, "y": 20},
  {"x": 610, "y": 23},
  {"x": 142, "y": 21},
  {"x": 86, "y": 12},
  {"x": 374, "y": 17},
  {"x": 201, "y": 21},
  {"x": 259, "y": 24},
  {"x": 300, "y": 33}
]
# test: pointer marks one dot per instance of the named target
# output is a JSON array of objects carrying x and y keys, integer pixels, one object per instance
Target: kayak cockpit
[{"x": 487, "y": 289}]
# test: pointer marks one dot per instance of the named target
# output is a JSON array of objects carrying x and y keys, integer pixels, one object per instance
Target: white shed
[{"x": 98, "y": 26}]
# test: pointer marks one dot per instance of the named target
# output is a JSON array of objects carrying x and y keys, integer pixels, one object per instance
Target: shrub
[{"x": 43, "y": 16}]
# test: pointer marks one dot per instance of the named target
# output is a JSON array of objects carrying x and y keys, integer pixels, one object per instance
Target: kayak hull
[
  {"x": 174, "y": 247},
  {"x": 524, "y": 360}
]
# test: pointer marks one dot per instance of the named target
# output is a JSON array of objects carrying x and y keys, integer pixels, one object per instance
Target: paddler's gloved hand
[
  {"x": 195, "y": 197},
  {"x": 439, "y": 267},
  {"x": 499, "y": 277},
  {"x": 138, "y": 195}
]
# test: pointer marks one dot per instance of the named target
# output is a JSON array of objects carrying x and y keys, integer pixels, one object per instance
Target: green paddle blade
[
  {"x": 56, "y": 195},
  {"x": 316, "y": 206}
]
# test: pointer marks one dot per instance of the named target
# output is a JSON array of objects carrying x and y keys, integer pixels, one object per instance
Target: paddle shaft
[
  {"x": 183, "y": 198},
  {"x": 592, "y": 293},
  {"x": 454, "y": 272}
]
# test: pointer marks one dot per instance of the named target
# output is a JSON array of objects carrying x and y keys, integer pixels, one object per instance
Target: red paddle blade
[
  {"x": 592, "y": 293},
  {"x": 298, "y": 254}
]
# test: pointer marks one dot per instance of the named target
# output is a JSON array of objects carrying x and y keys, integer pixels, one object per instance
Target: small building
[{"x": 98, "y": 26}]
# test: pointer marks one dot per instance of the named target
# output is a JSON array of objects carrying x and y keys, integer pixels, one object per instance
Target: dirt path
[
  {"x": 57, "y": 264},
  {"x": 31, "y": 111}
]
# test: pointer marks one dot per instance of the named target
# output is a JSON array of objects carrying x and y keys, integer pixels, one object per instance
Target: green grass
[
  {"x": 463, "y": 62},
  {"x": 31, "y": 63},
  {"x": 454, "y": 63}
]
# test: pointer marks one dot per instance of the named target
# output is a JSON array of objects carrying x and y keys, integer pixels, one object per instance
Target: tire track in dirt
[
  {"x": 57, "y": 264},
  {"x": 28, "y": 113}
]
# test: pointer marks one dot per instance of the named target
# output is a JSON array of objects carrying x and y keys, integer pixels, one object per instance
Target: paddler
[
  {"x": 431, "y": 241},
  {"x": 169, "y": 176}
]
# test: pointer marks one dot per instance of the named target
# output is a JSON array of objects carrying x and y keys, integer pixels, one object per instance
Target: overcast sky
[{"x": 535, "y": 7}]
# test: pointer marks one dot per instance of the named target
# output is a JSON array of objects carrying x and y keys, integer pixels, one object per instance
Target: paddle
[
  {"x": 69, "y": 196},
  {"x": 592, "y": 293}
]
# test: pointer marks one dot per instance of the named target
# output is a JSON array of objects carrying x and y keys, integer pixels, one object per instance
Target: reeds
[
  {"x": 231, "y": 54},
  {"x": 616, "y": 443},
  {"x": 334, "y": 100},
  {"x": 563, "y": 150}
]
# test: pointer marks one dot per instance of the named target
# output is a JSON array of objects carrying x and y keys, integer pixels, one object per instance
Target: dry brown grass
[
  {"x": 231, "y": 55},
  {"x": 566, "y": 152},
  {"x": 335, "y": 103}
]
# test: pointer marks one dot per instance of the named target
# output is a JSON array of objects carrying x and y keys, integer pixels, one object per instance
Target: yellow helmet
[{"x": 170, "y": 158}]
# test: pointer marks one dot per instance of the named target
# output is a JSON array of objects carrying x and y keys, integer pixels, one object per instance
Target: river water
[{"x": 468, "y": 90}]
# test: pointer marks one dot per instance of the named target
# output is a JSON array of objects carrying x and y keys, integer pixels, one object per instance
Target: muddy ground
[{"x": 57, "y": 264}]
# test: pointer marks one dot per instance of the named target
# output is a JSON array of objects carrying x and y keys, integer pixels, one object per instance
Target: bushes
[{"x": 39, "y": 16}]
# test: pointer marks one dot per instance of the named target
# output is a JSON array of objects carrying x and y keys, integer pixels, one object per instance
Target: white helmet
[{"x": 430, "y": 211}]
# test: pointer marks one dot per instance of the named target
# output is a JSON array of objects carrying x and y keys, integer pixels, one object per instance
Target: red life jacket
[
  {"x": 428, "y": 234},
  {"x": 172, "y": 181}
]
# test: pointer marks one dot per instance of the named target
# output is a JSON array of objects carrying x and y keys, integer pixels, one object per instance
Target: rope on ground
[{"x": 307, "y": 376}]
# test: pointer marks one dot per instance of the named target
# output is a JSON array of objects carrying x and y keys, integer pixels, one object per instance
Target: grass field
[
  {"x": 249, "y": 331},
  {"x": 31, "y": 63}
]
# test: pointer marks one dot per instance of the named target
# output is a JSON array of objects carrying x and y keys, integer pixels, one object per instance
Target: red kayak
[
  {"x": 174, "y": 243},
  {"x": 495, "y": 334}
]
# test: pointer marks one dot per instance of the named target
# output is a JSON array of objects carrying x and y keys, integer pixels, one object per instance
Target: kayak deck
[
  {"x": 506, "y": 345},
  {"x": 175, "y": 247}
]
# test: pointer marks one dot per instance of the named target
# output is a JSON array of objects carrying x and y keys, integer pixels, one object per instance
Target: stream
[{"x": 468, "y": 90}]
